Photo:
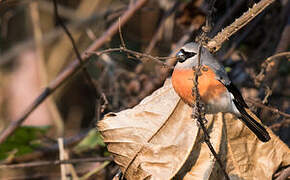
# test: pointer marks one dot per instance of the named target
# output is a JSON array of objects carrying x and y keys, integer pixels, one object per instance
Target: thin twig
[
  {"x": 71, "y": 70},
  {"x": 265, "y": 65},
  {"x": 283, "y": 123},
  {"x": 42, "y": 71},
  {"x": 48, "y": 150},
  {"x": 95, "y": 171},
  {"x": 199, "y": 113},
  {"x": 238, "y": 39},
  {"x": 209, "y": 15},
  {"x": 78, "y": 55},
  {"x": 199, "y": 107},
  {"x": 160, "y": 28},
  {"x": 275, "y": 110},
  {"x": 121, "y": 36},
  {"x": 61, "y": 157},
  {"x": 138, "y": 55},
  {"x": 50, "y": 36},
  {"x": 105, "y": 104},
  {"x": 55, "y": 162},
  {"x": 268, "y": 94}
]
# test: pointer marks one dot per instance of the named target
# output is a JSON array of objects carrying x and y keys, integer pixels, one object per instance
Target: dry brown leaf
[
  {"x": 158, "y": 139},
  {"x": 249, "y": 158},
  {"x": 152, "y": 139},
  {"x": 202, "y": 162}
]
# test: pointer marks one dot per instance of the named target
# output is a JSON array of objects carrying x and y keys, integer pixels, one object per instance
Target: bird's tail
[{"x": 248, "y": 119}]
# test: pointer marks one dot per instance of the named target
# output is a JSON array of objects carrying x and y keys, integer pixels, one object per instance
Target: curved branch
[{"x": 71, "y": 70}]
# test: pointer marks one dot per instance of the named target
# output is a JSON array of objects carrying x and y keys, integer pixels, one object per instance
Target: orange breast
[{"x": 209, "y": 88}]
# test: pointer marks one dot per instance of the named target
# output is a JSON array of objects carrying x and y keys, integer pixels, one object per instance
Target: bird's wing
[
  {"x": 238, "y": 98},
  {"x": 250, "y": 120}
]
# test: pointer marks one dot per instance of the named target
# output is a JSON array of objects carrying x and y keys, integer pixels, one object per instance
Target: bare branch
[
  {"x": 160, "y": 28},
  {"x": 95, "y": 171},
  {"x": 198, "y": 112},
  {"x": 120, "y": 34},
  {"x": 78, "y": 55},
  {"x": 71, "y": 70},
  {"x": 275, "y": 110},
  {"x": 266, "y": 64},
  {"x": 61, "y": 157},
  {"x": 55, "y": 162},
  {"x": 48, "y": 37},
  {"x": 215, "y": 43},
  {"x": 138, "y": 55},
  {"x": 198, "y": 108},
  {"x": 283, "y": 123}
]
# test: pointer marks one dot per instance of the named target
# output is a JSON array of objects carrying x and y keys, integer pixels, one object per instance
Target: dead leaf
[
  {"x": 152, "y": 139},
  {"x": 249, "y": 158},
  {"x": 158, "y": 139}
]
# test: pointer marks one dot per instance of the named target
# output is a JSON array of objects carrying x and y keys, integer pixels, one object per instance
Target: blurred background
[{"x": 34, "y": 49}]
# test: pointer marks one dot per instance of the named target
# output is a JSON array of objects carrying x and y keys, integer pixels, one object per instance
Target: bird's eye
[{"x": 183, "y": 55}]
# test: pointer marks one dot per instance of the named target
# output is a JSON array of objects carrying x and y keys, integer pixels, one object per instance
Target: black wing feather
[
  {"x": 251, "y": 123},
  {"x": 237, "y": 95}
]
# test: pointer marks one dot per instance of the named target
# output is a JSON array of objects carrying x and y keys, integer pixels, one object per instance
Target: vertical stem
[
  {"x": 61, "y": 158},
  {"x": 199, "y": 113}
]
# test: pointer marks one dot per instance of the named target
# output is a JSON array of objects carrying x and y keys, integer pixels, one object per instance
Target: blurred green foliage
[
  {"x": 92, "y": 140},
  {"x": 23, "y": 141}
]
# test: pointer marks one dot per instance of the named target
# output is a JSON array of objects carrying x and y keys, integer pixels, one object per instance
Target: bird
[{"x": 216, "y": 90}]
